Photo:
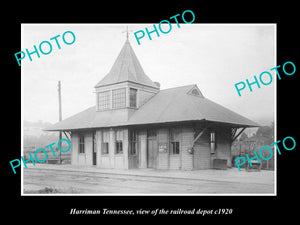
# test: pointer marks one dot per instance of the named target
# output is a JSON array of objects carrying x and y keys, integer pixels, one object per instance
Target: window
[
  {"x": 81, "y": 144},
  {"x": 174, "y": 141},
  {"x": 174, "y": 146},
  {"x": 119, "y": 98},
  {"x": 212, "y": 142},
  {"x": 105, "y": 148},
  {"x": 133, "y": 97},
  {"x": 119, "y": 141},
  {"x": 133, "y": 142},
  {"x": 105, "y": 143},
  {"x": 103, "y": 100},
  {"x": 119, "y": 147}
]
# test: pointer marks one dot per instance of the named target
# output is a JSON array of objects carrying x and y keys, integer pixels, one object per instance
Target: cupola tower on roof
[
  {"x": 126, "y": 68},
  {"x": 126, "y": 86}
]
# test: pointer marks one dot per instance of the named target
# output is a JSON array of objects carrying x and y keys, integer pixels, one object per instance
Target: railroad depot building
[{"x": 136, "y": 125}]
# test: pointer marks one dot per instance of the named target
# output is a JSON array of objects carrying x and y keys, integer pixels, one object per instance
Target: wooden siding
[
  {"x": 88, "y": 142},
  {"x": 125, "y": 149},
  {"x": 223, "y": 147},
  {"x": 142, "y": 148},
  {"x": 202, "y": 152},
  {"x": 119, "y": 162},
  {"x": 200, "y": 159},
  {"x": 186, "y": 144},
  {"x": 163, "y": 156},
  {"x": 74, "y": 148},
  {"x": 110, "y": 160},
  {"x": 98, "y": 148},
  {"x": 165, "y": 160},
  {"x": 162, "y": 162},
  {"x": 174, "y": 162},
  {"x": 85, "y": 158}
]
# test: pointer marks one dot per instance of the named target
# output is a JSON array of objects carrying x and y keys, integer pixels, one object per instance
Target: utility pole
[{"x": 60, "y": 117}]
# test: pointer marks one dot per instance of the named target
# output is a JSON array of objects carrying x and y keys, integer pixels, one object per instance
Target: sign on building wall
[{"x": 162, "y": 147}]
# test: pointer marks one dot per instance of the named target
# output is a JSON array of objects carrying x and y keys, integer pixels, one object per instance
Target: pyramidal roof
[{"x": 126, "y": 68}]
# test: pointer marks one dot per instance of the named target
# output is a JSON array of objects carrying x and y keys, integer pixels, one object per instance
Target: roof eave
[
  {"x": 234, "y": 125},
  {"x": 104, "y": 85}
]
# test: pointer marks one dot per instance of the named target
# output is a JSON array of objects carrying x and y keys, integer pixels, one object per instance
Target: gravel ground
[{"x": 67, "y": 179}]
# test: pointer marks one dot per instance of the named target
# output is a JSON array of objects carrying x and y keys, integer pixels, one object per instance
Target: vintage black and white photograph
[{"x": 106, "y": 111}]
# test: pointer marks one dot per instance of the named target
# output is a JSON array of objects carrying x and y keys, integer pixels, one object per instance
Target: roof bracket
[
  {"x": 199, "y": 135},
  {"x": 236, "y": 136},
  {"x": 67, "y": 136}
]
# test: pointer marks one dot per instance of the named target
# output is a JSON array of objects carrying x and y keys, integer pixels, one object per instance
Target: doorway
[
  {"x": 133, "y": 155},
  {"x": 152, "y": 148}
]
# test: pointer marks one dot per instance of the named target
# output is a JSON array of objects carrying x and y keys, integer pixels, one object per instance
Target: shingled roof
[
  {"x": 126, "y": 68},
  {"x": 169, "y": 105},
  {"x": 177, "y": 104}
]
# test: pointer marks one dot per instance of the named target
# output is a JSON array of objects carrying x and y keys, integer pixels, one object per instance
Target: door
[
  {"x": 152, "y": 148},
  {"x": 133, "y": 155},
  {"x": 94, "y": 149}
]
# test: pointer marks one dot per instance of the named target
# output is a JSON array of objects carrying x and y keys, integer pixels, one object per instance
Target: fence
[{"x": 61, "y": 158}]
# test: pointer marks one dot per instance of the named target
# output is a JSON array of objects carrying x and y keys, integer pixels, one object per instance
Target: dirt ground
[{"x": 67, "y": 179}]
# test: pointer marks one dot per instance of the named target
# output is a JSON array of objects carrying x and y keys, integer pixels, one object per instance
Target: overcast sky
[{"x": 213, "y": 56}]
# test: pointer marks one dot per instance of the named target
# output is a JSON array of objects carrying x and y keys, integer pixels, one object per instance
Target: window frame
[
  {"x": 119, "y": 137},
  {"x": 212, "y": 141},
  {"x": 133, "y": 140},
  {"x": 81, "y": 143},
  {"x": 106, "y": 99},
  {"x": 105, "y": 140},
  {"x": 176, "y": 150},
  {"x": 118, "y": 144},
  {"x": 102, "y": 148},
  {"x": 174, "y": 141},
  {"x": 117, "y": 102},
  {"x": 135, "y": 97}
]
